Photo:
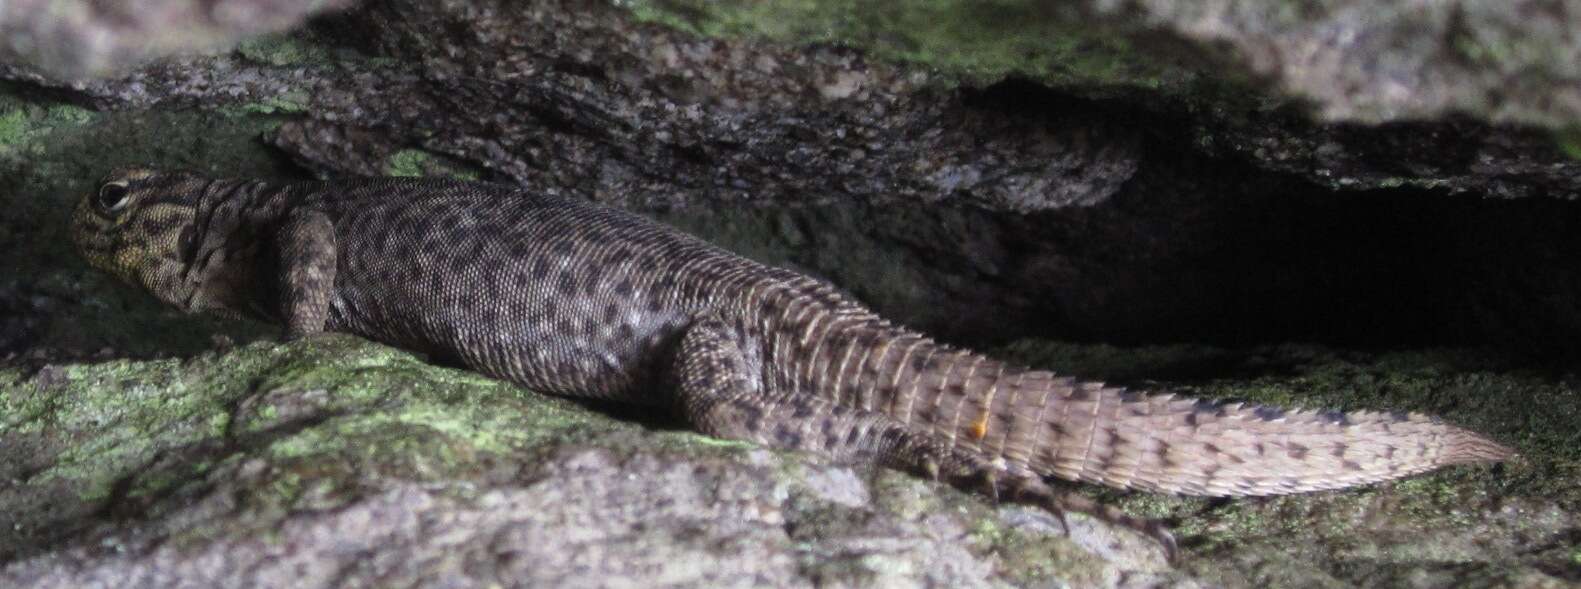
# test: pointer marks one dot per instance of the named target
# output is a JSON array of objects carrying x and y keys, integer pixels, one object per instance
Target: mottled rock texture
[
  {"x": 1205, "y": 210},
  {"x": 1449, "y": 80},
  {"x": 71, "y": 39},
  {"x": 1372, "y": 61},
  {"x": 338, "y": 462}
]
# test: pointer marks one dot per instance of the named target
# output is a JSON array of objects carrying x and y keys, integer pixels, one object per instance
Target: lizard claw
[
  {"x": 1159, "y": 533},
  {"x": 930, "y": 468},
  {"x": 1040, "y": 494},
  {"x": 1061, "y": 505},
  {"x": 991, "y": 485}
]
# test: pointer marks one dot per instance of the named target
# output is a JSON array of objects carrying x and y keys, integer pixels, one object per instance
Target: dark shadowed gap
[{"x": 1197, "y": 249}]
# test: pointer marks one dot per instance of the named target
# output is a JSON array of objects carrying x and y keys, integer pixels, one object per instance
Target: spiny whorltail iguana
[{"x": 570, "y": 298}]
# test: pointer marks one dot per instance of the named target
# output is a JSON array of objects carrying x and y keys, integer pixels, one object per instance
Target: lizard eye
[{"x": 112, "y": 196}]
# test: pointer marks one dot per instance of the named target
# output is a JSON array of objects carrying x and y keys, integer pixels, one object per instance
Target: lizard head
[{"x": 139, "y": 224}]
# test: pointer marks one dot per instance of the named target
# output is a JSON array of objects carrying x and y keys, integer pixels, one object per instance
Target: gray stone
[
  {"x": 80, "y": 38},
  {"x": 1393, "y": 60},
  {"x": 337, "y": 462}
]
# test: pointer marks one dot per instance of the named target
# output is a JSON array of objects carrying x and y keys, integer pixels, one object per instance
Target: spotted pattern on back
[{"x": 575, "y": 299}]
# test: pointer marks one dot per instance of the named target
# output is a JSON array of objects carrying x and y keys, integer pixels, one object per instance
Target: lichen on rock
[
  {"x": 269, "y": 456},
  {"x": 308, "y": 459}
]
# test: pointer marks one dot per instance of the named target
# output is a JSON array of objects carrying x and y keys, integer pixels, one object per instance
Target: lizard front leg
[{"x": 306, "y": 247}]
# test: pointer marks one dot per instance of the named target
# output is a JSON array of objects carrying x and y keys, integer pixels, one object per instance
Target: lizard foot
[
  {"x": 990, "y": 482},
  {"x": 1060, "y": 503}
]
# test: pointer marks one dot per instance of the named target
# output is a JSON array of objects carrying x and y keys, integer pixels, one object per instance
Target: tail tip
[{"x": 1472, "y": 448}]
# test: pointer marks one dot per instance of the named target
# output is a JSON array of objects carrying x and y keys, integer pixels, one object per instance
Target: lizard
[{"x": 572, "y": 298}]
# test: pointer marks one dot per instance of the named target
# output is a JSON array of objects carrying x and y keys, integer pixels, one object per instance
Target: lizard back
[{"x": 544, "y": 291}]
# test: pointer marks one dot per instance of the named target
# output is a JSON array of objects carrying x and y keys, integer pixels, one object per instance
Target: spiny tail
[{"x": 1086, "y": 431}]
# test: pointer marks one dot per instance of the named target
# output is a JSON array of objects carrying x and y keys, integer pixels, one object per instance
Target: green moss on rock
[
  {"x": 25, "y": 123},
  {"x": 1568, "y": 140},
  {"x": 13, "y": 126},
  {"x": 285, "y": 103},
  {"x": 413, "y": 162},
  {"x": 333, "y": 412},
  {"x": 68, "y": 114},
  {"x": 318, "y": 423},
  {"x": 283, "y": 49},
  {"x": 976, "y": 41}
]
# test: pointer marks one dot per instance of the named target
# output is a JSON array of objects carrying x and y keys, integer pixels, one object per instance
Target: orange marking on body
[{"x": 980, "y": 427}]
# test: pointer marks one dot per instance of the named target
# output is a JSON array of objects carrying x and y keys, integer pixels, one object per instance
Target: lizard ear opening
[{"x": 112, "y": 197}]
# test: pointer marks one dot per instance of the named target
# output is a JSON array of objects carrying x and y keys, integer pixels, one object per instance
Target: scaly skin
[{"x": 570, "y": 298}]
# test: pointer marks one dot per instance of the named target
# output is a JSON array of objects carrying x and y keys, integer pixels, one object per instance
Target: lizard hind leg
[{"x": 725, "y": 391}]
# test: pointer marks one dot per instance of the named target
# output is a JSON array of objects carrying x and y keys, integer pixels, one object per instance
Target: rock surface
[
  {"x": 339, "y": 462},
  {"x": 1359, "y": 61},
  {"x": 1064, "y": 209},
  {"x": 72, "y": 39}
]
